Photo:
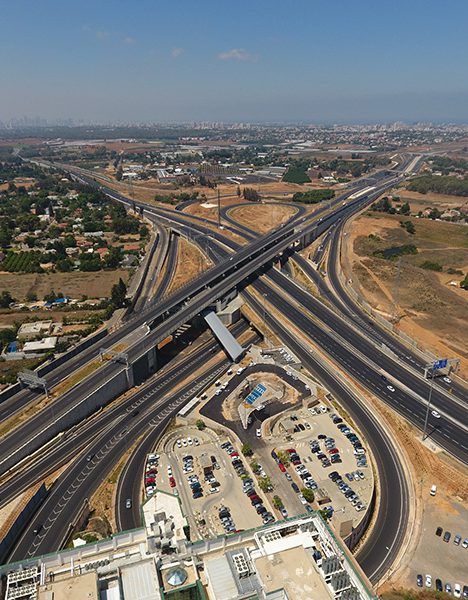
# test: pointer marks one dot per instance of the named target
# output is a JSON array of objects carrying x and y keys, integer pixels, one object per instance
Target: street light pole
[{"x": 424, "y": 436}]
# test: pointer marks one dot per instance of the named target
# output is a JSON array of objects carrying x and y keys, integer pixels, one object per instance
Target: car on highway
[
  {"x": 447, "y": 380},
  {"x": 89, "y": 458},
  {"x": 128, "y": 503},
  {"x": 390, "y": 388},
  {"x": 37, "y": 529},
  {"x": 435, "y": 414}
]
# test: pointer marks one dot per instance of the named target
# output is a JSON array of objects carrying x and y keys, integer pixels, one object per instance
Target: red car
[
  {"x": 172, "y": 482},
  {"x": 282, "y": 468},
  {"x": 334, "y": 451},
  {"x": 296, "y": 462},
  {"x": 234, "y": 454},
  {"x": 291, "y": 450},
  {"x": 254, "y": 498}
]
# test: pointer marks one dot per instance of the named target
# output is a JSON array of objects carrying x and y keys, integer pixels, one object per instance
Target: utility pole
[{"x": 424, "y": 436}]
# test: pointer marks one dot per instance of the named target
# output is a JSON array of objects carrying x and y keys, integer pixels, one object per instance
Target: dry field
[
  {"x": 94, "y": 285},
  {"x": 190, "y": 263},
  {"x": 262, "y": 217},
  {"x": 431, "y": 310}
]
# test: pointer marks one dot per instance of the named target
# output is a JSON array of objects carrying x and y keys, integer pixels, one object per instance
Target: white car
[
  {"x": 169, "y": 470},
  {"x": 312, "y": 411},
  {"x": 179, "y": 444},
  {"x": 196, "y": 441},
  {"x": 391, "y": 388},
  {"x": 258, "y": 432},
  {"x": 428, "y": 581},
  {"x": 323, "y": 409},
  {"x": 189, "y": 441},
  {"x": 435, "y": 414},
  {"x": 457, "y": 590},
  {"x": 184, "y": 442},
  {"x": 447, "y": 380},
  {"x": 302, "y": 499}
]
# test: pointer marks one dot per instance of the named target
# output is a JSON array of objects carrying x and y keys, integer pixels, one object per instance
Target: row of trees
[
  {"x": 386, "y": 205},
  {"x": 440, "y": 185},
  {"x": 313, "y": 196}
]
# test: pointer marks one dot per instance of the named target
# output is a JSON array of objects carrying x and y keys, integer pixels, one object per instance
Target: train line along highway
[
  {"x": 151, "y": 407},
  {"x": 351, "y": 347},
  {"x": 186, "y": 303}
]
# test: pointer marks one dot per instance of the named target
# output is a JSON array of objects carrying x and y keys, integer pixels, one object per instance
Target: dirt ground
[
  {"x": 262, "y": 217},
  {"x": 190, "y": 263},
  {"x": 428, "y": 467},
  {"x": 430, "y": 308},
  {"x": 9, "y": 318},
  {"x": 94, "y": 285}
]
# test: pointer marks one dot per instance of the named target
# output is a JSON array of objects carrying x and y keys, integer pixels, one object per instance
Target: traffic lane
[
  {"x": 58, "y": 455},
  {"x": 393, "y": 505},
  {"x": 413, "y": 382},
  {"x": 356, "y": 313},
  {"x": 130, "y": 486},
  {"x": 453, "y": 440},
  {"x": 64, "y": 502}
]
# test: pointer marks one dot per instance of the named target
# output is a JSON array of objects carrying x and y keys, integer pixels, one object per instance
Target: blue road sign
[{"x": 440, "y": 364}]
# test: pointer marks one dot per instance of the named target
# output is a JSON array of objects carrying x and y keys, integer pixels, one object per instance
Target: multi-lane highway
[
  {"x": 149, "y": 409},
  {"x": 293, "y": 304}
]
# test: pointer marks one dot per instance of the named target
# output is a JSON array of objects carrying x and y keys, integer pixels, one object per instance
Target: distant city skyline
[{"x": 261, "y": 62}]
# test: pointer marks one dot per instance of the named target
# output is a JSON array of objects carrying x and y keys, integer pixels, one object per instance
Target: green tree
[
  {"x": 64, "y": 265},
  {"x": 405, "y": 209},
  {"x": 308, "y": 494},
  {"x": 255, "y": 466},
  {"x": 265, "y": 483},
  {"x": 200, "y": 424},
  {"x": 6, "y": 299},
  {"x": 112, "y": 260},
  {"x": 247, "y": 449},
  {"x": 464, "y": 283},
  {"x": 31, "y": 296},
  {"x": 119, "y": 293},
  {"x": 277, "y": 502},
  {"x": 284, "y": 457},
  {"x": 5, "y": 237}
]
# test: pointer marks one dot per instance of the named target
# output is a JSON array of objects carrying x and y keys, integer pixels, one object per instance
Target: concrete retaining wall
[
  {"x": 56, "y": 362},
  {"x": 22, "y": 519},
  {"x": 353, "y": 538},
  {"x": 108, "y": 391}
]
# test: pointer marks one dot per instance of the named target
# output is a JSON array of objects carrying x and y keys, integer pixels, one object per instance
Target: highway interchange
[{"x": 350, "y": 341}]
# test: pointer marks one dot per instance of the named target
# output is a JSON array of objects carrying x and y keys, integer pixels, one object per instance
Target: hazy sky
[{"x": 235, "y": 60}]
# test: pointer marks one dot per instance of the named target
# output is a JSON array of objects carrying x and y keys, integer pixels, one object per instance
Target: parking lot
[
  {"x": 310, "y": 438},
  {"x": 444, "y": 560},
  {"x": 193, "y": 465}
]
